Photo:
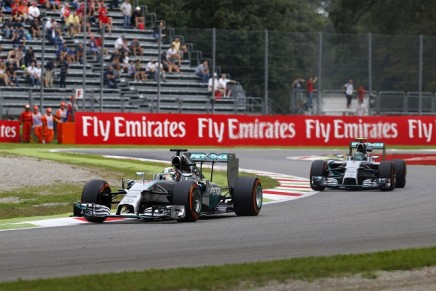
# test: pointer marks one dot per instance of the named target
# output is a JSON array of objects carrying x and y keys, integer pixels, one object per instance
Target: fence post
[
  {"x": 421, "y": 40},
  {"x": 266, "y": 73},
  {"x": 85, "y": 30},
  {"x": 369, "y": 71},
  {"x": 319, "y": 74}
]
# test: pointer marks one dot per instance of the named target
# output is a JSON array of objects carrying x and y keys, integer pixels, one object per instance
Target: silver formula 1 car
[
  {"x": 359, "y": 170},
  {"x": 180, "y": 192}
]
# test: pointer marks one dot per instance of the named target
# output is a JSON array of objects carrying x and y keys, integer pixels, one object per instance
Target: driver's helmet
[
  {"x": 168, "y": 174},
  {"x": 359, "y": 156}
]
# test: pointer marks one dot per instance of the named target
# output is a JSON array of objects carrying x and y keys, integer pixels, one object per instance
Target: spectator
[
  {"x": 18, "y": 36},
  {"x": 95, "y": 48},
  {"x": 135, "y": 47},
  {"x": 8, "y": 28},
  {"x": 181, "y": 48},
  {"x": 50, "y": 30},
  {"x": 361, "y": 110},
  {"x": 152, "y": 70},
  {"x": 73, "y": 24},
  {"x": 63, "y": 72},
  {"x": 105, "y": 20},
  {"x": 3, "y": 74},
  {"x": 48, "y": 126},
  {"x": 125, "y": 62},
  {"x": 34, "y": 74},
  {"x": 12, "y": 74},
  {"x": 163, "y": 60},
  {"x": 139, "y": 72},
  {"x": 29, "y": 56},
  {"x": 37, "y": 124},
  {"x": 13, "y": 57},
  {"x": 126, "y": 10},
  {"x": 297, "y": 86},
  {"x": 116, "y": 60},
  {"x": 202, "y": 72},
  {"x": 121, "y": 45},
  {"x": 213, "y": 87},
  {"x": 110, "y": 78},
  {"x": 34, "y": 12},
  {"x": 53, "y": 4},
  {"x": 158, "y": 30},
  {"x": 137, "y": 20},
  {"x": 35, "y": 29},
  {"x": 131, "y": 69},
  {"x": 48, "y": 74},
  {"x": 65, "y": 12},
  {"x": 79, "y": 53},
  {"x": 222, "y": 85},
  {"x": 172, "y": 57},
  {"x": 310, "y": 81},
  {"x": 26, "y": 122},
  {"x": 348, "y": 90}
]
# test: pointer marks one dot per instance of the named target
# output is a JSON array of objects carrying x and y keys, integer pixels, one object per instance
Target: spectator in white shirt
[
  {"x": 34, "y": 74},
  {"x": 222, "y": 85},
  {"x": 34, "y": 11}
]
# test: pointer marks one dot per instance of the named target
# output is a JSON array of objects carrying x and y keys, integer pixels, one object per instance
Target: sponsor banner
[
  {"x": 250, "y": 130},
  {"x": 9, "y": 131}
]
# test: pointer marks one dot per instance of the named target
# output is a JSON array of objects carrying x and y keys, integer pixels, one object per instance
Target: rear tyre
[
  {"x": 247, "y": 196},
  {"x": 387, "y": 170},
  {"x": 318, "y": 168},
  {"x": 401, "y": 172},
  {"x": 97, "y": 192},
  {"x": 188, "y": 193}
]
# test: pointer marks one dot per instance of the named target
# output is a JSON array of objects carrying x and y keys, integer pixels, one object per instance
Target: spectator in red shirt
[{"x": 310, "y": 81}]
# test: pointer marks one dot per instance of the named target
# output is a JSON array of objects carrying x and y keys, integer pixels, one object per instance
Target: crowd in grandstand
[{"x": 24, "y": 22}]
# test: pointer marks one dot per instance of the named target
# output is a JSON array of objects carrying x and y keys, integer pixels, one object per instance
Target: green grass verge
[{"x": 239, "y": 276}]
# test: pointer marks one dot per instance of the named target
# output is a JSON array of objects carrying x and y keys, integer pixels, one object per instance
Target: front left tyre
[
  {"x": 318, "y": 169},
  {"x": 188, "y": 194},
  {"x": 96, "y": 192}
]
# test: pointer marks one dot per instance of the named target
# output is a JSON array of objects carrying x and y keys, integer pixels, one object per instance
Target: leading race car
[
  {"x": 180, "y": 192},
  {"x": 359, "y": 170}
]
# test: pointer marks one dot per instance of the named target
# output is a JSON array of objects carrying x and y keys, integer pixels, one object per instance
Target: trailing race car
[
  {"x": 180, "y": 192},
  {"x": 359, "y": 170}
]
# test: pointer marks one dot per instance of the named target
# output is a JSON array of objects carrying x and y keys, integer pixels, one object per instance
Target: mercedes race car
[
  {"x": 359, "y": 170},
  {"x": 180, "y": 192}
]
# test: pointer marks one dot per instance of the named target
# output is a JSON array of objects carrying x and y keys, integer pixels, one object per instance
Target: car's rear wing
[{"x": 229, "y": 158}]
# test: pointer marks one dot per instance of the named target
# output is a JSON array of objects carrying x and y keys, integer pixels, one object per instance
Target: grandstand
[{"x": 180, "y": 93}]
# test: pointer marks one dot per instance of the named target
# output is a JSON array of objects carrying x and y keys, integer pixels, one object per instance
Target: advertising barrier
[
  {"x": 250, "y": 130},
  {"x": 9, "y": 131}
]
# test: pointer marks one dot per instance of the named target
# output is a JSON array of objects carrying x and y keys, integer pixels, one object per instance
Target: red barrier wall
[
  {"x": 250, "y": 130},
  {"x": 9, "y": 131}
]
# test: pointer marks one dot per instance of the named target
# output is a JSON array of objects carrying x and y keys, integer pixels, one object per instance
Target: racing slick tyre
[
  {"x": 387, "y": 170},
  {"x": 97, "y": 192},
  {"x": 318, "y": 168},
  {"x": 247, "y": 196},
  {"x": 401, "y": 171},
  {"x": 188, "y": 193}
]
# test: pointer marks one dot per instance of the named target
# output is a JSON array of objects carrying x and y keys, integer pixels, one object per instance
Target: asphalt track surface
[{"x": 328, "y": 223}]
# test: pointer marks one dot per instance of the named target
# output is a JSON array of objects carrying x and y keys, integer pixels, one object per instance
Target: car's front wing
[
  {"x": 151, "y": 213},
  {"x": 375, "y": 183}
]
